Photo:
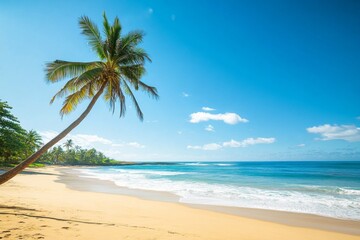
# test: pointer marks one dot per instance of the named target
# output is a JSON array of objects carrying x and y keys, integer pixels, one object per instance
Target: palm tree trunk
[{"x": 14, "y": 171}]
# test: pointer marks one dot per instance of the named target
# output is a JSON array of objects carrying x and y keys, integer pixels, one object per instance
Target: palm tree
[
  {"x": 115, "y": 75},
  {"x": 33, "y": 141},
  {"x": 58, "y": 155},
  {"x": 68, "y": 144}
]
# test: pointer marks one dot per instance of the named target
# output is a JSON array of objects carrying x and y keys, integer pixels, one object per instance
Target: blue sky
[{"x": 238, "y": 80}]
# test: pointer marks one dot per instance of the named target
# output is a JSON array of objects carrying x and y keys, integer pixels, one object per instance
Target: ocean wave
[
  {"x": 223, "y": 164},
  {"x": 196, "y": 164},
  {"x": 330, "y": 190},
  {"x": 338, "y": 205},
  {"x": 151, "y": 172},
  {"x": 349, "y": 191}
]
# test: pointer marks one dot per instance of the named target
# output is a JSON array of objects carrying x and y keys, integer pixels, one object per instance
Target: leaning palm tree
[{"x": 114, "y": 76}]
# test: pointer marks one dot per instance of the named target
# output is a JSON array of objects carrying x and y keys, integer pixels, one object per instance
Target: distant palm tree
[
  {"x": 33, "y": 141},
  {"x": 58, "y": 153},
  {"x": 69, "y": 144},
  {"x": 118, "y": 71}
]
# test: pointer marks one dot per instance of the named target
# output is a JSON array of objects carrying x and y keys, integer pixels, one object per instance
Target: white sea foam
[
  {"x": 151, "y": 172},
  {"x": 341, "y": 203},
  {"x": 349, "y": 191},
  {"x": 223, "y": 164},
  {"x": 196, "y": 164}
]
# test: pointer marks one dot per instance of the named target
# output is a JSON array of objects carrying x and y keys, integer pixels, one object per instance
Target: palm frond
[
  {"x": 152, "y": 91},
  {"x": 133, "y": 74},
  {"x": 120, "y": 95},
  {"x": 137, "y": 107},
  {"x": 132, "y": 39},
  {"x": 133, "y": 56},
  {"x": 107, "y": 28},
  {"x": 68, "y": 87},
  {"x": 78, "y": 82},
  {"x": 87, "y": 76},
  {"x": 60, "y": 69},
  {"x": 113, "y": 38},
  {"x": 113, "y": 93},
  {"x": 91, "y": 31},
  {"x": 73, "y": 100}
]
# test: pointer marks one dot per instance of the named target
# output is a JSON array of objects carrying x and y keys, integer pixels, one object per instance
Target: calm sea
[{"x": 323, "y": 188}]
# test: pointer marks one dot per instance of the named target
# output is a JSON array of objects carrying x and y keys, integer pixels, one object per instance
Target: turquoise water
[{"x": 323, "y": 188}]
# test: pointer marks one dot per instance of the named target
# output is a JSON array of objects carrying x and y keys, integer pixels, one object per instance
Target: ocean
[{"x": 329, "y": 188}]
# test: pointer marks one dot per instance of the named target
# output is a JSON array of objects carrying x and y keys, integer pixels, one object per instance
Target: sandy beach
[{"x": 52, "y": 203}]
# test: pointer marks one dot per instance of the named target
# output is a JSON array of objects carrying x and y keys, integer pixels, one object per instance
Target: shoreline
[
  {"x": 73, "y": 181},
  {"x": 38, "y": 205}
]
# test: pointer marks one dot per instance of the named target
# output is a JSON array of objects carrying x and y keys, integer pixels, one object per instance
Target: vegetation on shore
[
  {"x": 75, "y": 155},
  {"x": 16, "y": 143}
]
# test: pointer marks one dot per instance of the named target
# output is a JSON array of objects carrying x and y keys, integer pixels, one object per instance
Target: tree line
[{"x": 16, "y": 143}]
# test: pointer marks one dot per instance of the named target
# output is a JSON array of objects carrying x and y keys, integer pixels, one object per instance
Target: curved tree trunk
[{"x": 14, "y": 171}]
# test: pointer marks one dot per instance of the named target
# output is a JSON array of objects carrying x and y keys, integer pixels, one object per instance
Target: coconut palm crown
[{"x": 118, "y": 71}]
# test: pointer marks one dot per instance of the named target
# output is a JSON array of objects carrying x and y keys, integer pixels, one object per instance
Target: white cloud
[
  {"x": 135, "y": 145},
  {"x": 210, "y": 128},
  {"x": 184, "y": 94},
  {"x": 248, "y": 142},
  {"x": 358, "y": 118},
  {"x": 173, "y": 17},
  {"x": 89, "y": 141},
  {"x": 301, "y": 145},
  {"x": 150, "y": 11},
  {"x": 48, "y": 135},
  {"x": 85, "y": 140},
  {"x": 208, "y": 109},
  {"x": 82, "y": 140},
  {"x": 233, "y": 144},
  {"x": 350, "y": 133},
  {"x": 229, "y": 118},
  {"x": 206, "y": 147}
]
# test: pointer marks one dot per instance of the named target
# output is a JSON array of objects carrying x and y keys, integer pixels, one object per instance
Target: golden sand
[{"x": 38, "y": 206}]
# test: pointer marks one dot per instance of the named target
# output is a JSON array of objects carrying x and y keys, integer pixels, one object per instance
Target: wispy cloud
[
  {"x": 184, "y": 94},
  {"x": 233, "y": 144},
  {"x": 129, "y": 144},
  {"x": 89, "y": 140},
  {"x": 301, "y": 145},
  {"x": 206, "y": 147},
  {"x": 229, "y": 118},
  {"x": 82, "y": 140},
  {"x": 247, "y": 142},
  {"x": 358, "y": 118},
  {"x": 210, "y": 128},
  {"x": 208, "y": 109},
  {"x": 350, "y": 133},
  {"x": 150, "y": 11},
  {"x": 135, "y": 145}
]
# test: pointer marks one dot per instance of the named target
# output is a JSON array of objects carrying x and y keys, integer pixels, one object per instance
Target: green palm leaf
[
  {"x": 59, "y": 69},
  {"x": 90, "y": 30}
]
